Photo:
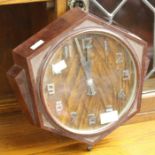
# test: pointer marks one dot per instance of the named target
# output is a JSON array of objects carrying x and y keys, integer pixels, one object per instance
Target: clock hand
[{"x": 87, "y": 70}]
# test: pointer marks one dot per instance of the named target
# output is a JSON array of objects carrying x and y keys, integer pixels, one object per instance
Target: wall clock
[{"x": 79, "y": 77}]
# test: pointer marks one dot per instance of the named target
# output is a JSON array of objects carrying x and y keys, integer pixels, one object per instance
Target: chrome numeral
[
  {"x": 106, "y": 50},
  {"x": 106, "y": 47},
  {"x": 119, "y": 58},
  {"x": 87, "y": 43},
  {"x": 51, "y": 88},
  {"x": 109, "y": 108},
  {"x": 91, "y": 119},
  {"x": 67, "y": 51},
  {"x": 59, "y": 106},
  {"x": 121, "y": 94},
  {"x": 126, "y": 74}
]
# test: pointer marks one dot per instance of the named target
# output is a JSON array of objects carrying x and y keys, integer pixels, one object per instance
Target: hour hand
[{"x": 90, "y": 81}]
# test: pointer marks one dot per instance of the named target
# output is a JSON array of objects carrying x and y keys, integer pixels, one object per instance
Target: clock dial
[{"x": 89, "y": 82}]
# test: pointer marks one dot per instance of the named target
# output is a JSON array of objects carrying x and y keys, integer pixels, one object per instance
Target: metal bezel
[{"x": 49, "y": 57}]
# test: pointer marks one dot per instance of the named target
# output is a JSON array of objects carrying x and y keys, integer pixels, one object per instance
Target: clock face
[{"x": 89, "y": 81}]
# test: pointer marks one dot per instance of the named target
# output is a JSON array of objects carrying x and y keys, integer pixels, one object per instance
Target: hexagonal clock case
[{"x": 36, "y": 59}]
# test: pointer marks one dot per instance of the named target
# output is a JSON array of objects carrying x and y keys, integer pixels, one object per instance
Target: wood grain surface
[{"x": 18, "y": 137}]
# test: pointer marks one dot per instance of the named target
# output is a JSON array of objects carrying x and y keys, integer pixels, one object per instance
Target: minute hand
[{"x": 87, "y": 70}]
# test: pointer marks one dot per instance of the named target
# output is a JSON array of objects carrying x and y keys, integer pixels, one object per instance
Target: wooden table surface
[{"x": 19, "y": 137}]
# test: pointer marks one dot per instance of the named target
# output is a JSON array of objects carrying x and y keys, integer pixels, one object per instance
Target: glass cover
[{"x": 89, "y": 82}]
